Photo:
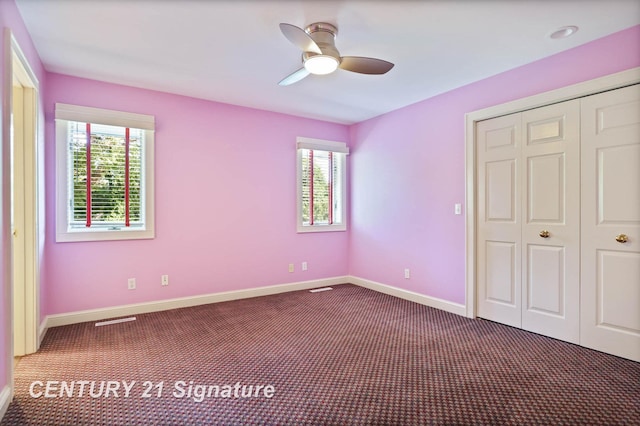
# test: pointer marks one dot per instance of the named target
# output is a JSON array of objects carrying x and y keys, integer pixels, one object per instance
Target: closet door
[
  {"x": 529, "y": 220},
  {"x": 610, "y": 292},
  {"x": 499, "y": 224},
  {"x": 551, "y": 221}
]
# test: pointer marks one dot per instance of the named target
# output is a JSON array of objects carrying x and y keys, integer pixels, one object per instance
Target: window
[
  {"x": 104, "y": 174},
  {"x": 321, "y": 185}
]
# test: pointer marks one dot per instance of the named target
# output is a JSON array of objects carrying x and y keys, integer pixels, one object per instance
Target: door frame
[
  {"x": 591, "y": 87},
  {"x": 26, "y": 319}
]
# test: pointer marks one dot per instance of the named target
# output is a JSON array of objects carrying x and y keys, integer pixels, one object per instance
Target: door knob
[
  {"x": 622, "y": 238},
  {"x": 544, "y": 233}
]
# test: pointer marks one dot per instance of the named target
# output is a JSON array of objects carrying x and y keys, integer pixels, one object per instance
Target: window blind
[
  {"x": 105, "y": 175},
  {"x": 320, "y": 194}
]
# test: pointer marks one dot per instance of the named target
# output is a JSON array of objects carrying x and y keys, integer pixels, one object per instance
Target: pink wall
[
  {"x": 224, "y": 200},
  {"x": 408, "y": 171},
  {"x": 10, "y": 18}
]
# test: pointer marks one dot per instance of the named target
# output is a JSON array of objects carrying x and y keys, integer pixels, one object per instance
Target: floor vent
[
  {"x": 115, "y": 321},
  {"x": 318, "y": 290}
]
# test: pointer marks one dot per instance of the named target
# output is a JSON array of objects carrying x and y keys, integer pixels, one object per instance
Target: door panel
[
  {"x": 501, "y": 277},
  {"x": 610, "y": 288},
  {"x": 545, "y": 282},
  {"x": 499, "y": 240},
  {"x": 617, "y": 117},
  {"x": 618, "y": 303},
  {"x": 545, "y": 130},
  {"x": 617, "y": 164},
  {"x": 546, "y": 191},
  {"x": 500, "y": 191},
  {"x": 551, "y": 230},
  {"x": 500, "y": 137}
]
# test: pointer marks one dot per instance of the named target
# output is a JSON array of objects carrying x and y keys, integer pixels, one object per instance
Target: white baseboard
[
  {"x": 44, "y": 326},
  {"x": 5, "y": 400},
  {"x": 434, "y": 302},
  {"x": 183, "y": 302}
]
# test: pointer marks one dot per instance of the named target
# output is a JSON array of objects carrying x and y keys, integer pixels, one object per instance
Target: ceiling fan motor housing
[{"x": 324, "y": 35}]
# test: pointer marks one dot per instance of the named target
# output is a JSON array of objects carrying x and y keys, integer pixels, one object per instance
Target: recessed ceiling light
[{"x": 564, "y": 32}]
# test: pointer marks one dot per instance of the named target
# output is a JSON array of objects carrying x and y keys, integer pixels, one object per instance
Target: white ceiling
[{"x": 234, "y": 52}]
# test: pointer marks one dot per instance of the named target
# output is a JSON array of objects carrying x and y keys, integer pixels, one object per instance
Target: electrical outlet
[
  {"x": 304, "y": 266},
  {"x": 407, "y": 273},
  {"x": 165, "y": 280},
  {"x": 131, "y": 284},
  {"x": 291, "y": 267}
]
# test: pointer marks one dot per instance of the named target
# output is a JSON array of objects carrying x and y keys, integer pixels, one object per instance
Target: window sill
[
  {"x": 321, "y": 228},
  {"x": 104, "y": 235}
]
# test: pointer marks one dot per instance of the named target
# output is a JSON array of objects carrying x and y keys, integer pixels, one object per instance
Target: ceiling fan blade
[
  {"x": 294, "y": 77},
  {"x": 300, "y": 38},
  {"x": 365, "y": 65}
]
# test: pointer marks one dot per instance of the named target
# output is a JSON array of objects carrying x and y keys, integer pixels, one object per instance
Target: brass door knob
[
  {"x": 622, "y": 238},
  {"x": 544, "y": 233}
]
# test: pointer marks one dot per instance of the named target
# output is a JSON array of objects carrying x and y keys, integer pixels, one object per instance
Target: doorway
[{"x": 23, "y": 107}]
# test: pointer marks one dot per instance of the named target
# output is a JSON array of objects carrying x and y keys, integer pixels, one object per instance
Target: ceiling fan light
[{"x": 321, "y": 64}]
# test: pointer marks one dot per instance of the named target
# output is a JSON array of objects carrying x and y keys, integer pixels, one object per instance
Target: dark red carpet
[{"x": 347, "y": 356}]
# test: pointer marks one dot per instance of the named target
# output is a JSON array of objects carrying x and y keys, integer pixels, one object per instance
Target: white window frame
[
  {"x": 64, "y": 114},
  {"x": 322, "y": 145}
]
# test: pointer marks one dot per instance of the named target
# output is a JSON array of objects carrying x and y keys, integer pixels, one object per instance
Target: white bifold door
[
  {"x": 610, "y": 293},
  {"x": 558, "y": 232},
  {"x": 529, "y": 220}
]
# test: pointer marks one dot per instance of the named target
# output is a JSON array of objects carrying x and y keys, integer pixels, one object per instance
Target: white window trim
[
  {"x": 320, "y": 145},
  {"x": 65, "y": 113}
]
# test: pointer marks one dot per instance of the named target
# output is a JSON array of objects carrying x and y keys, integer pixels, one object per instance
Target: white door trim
[
  {"x": 17, "y": 67},
  {"x": 5, "y": 211},
  {"x": 602, "y": 84},
  {"x": 22, "y": 72}
]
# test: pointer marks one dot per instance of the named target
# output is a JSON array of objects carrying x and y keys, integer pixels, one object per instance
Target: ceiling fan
[{"x": 320, "y": 56}]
